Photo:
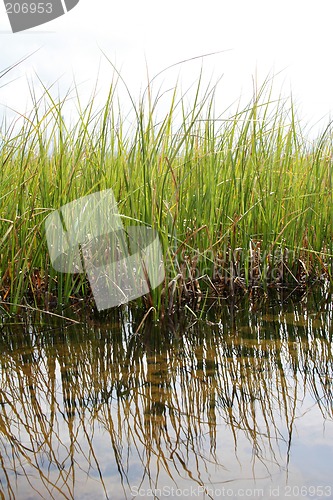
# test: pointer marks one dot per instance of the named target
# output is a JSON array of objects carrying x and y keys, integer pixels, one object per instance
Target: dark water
[{"x": 240, "y": 406}]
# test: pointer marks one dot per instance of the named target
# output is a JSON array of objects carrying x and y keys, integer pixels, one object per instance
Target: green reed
[{"x": 238, "y": 202}]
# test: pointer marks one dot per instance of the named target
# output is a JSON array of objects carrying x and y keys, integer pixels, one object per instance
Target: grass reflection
[{"x": 99, "y": 409}]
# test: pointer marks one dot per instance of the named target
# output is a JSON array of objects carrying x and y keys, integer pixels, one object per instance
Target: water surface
[{"x": 236, "y": 404}]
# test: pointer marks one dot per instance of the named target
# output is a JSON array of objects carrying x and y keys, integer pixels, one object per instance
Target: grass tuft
[{"x": 240, "y": 203}]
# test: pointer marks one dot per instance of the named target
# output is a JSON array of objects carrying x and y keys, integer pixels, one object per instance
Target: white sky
[{"x": 263, "y": 36}]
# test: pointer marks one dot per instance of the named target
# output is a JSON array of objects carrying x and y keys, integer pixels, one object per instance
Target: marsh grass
[{"x": 240, "y": 203}]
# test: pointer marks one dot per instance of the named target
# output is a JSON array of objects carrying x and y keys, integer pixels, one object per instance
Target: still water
[{"x": 236, "y": 404}]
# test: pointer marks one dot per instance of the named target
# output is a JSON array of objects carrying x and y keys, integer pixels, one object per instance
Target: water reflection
[{"x": 243, "y": 404}]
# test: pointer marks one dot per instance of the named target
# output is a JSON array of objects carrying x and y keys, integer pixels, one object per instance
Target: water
[{"x": 239, "y": 406}]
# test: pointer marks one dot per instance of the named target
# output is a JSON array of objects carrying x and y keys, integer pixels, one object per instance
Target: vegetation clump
[{"x": 241, "y": 203}]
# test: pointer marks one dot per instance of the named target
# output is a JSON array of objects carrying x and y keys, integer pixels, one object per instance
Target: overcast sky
[{"x": 289, "y": 37}]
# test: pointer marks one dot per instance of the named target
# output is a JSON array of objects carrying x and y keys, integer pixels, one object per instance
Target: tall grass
[{"x": 239, "y": 203}]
